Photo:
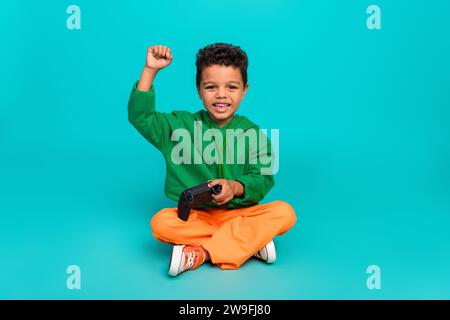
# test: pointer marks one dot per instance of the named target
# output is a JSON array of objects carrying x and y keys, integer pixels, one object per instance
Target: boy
[{"x": 234, "y": 227}]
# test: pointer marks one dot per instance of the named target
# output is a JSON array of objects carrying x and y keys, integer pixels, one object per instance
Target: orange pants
[{"x": 231, "y": 236}]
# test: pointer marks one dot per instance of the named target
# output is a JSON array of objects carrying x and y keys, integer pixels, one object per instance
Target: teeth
[{"x": 221, "y": 104}]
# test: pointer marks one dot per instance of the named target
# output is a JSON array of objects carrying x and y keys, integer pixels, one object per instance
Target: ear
[
  {"x": 244, "y": 92},
  {"x": 199, "y": 93}
]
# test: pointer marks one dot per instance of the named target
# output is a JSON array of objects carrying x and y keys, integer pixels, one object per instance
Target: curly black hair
[{"x": 221, "y": 54}]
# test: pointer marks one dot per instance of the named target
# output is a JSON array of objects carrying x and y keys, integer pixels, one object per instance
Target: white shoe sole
[
  {"x": 175, "y": 260},
  {"x": 271, "y": 252}
]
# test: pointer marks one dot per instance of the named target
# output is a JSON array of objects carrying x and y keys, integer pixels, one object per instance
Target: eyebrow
[{"x": 212, "y": 82}]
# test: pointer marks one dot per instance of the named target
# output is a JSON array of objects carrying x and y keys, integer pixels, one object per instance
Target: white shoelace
[{"x": 190, "y": 261}]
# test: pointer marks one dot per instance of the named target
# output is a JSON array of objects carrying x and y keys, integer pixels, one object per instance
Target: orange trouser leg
[
  {"x": 230, "y": 236},
  {"x": 167, "y": 227},
  {"x": 244, "y": 231}
]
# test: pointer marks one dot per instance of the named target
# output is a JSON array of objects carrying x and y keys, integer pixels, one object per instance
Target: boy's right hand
[{"x": 158, "y": 57}]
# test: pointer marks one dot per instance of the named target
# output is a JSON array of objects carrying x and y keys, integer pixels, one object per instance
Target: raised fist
[{"x": 158, "y": 57}]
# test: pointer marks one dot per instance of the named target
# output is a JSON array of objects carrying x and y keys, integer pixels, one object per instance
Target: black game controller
[{"x": 192, "y": 197}]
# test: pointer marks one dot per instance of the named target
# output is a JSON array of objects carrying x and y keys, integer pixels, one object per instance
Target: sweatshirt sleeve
[
  {"x": 256, "y": 185},
  {"x": 152, "y": 125}
]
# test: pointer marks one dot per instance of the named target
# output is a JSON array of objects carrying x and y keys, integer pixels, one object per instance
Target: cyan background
[{"x": 364, "y": 157}]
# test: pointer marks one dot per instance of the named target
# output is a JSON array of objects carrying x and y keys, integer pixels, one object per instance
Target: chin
[{"x": 222, "y": 116}]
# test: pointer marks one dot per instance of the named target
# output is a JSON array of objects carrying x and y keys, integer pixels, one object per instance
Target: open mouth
[{"x": 221, "y": 107}]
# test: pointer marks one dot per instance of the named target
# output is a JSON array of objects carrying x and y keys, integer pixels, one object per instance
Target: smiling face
[{"x": 221, "y": 90}]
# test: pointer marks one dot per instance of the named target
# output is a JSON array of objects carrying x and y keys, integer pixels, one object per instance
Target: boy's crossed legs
[{"x": 228, "y": 237}]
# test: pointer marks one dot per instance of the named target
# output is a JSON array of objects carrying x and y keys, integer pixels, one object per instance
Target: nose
[{"x": 221, "y": 93}]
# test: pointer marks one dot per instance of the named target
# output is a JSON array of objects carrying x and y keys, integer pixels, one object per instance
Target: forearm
[{"x": 146, "y": 80}]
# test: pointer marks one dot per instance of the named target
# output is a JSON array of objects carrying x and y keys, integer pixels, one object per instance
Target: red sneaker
[
  {"x": 186, "y": 258},
  {"x": 267, "y": 253}
]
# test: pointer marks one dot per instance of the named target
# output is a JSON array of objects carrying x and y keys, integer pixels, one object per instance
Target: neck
[{"x": 222, "y": 122}]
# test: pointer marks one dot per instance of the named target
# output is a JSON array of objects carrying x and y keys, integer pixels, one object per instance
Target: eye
[
  {"x": 233, "y": 87},
  {"x": 209, "y": 87}
]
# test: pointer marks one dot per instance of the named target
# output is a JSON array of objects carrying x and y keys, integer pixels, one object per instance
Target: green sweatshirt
[{"x": 159, "y": 129}]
